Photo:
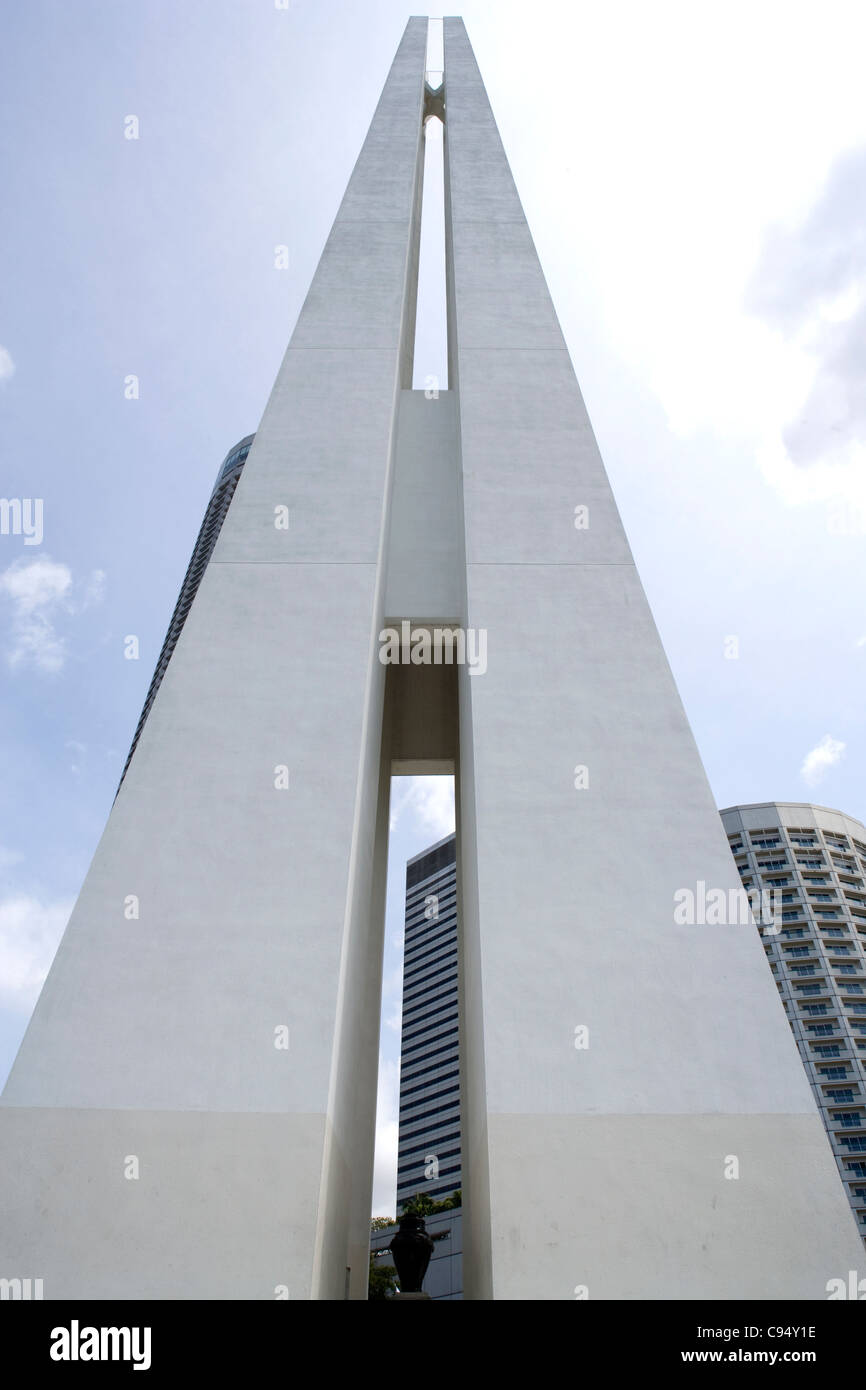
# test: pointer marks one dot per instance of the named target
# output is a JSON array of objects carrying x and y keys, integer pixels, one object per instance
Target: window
[
  {"x": 848, "y": 1119},
  {"x": 813, "y": 1010},
  {"x": 840, "y": 1094},
  {"x": 835, "y": 1074},
  {"x": 826, "y": 1049},
  {"x": 434, "y": 1052},
  {"x": 821, "y": 1030},
  {"x": 855, "y": 1142},
  {"x": 797, "y": 950},
  {"x": 422, "y": 1100}
]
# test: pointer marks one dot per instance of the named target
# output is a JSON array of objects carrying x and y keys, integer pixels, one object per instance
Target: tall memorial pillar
[{"x": 191, "y": 1113}]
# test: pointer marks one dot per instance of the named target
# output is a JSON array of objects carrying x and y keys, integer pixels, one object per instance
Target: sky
[{"x": 694, "y": 176}]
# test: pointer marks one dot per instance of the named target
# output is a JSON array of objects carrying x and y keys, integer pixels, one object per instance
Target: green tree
[
  {"x": 423, "y": 1205},
  {"x": 383, "y": 1278}
]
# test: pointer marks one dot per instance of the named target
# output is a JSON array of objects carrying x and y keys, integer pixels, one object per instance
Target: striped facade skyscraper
[{"x": 429, "y": 1135}]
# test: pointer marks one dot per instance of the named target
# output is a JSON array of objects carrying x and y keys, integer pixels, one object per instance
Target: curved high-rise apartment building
[
  {"x": 217, "y": 510},
  {"x": 813, "y": 860}
]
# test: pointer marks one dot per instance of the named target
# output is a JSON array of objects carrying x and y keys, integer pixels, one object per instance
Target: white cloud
[
  {"x": 7, "y": 366},
  {"x": 36, "y": 584},
  {"x": 387, "y": 1129},
  {"x": 41, "y": 592},
  {"x": 740, "y": 297},
  {"x": 392, "y": 992},
  {"x": 8, "y": 858},
  {"x": 837, "y": 483},
  {"x": 94, "y": 589},
  {"x": 822, "y": 757},
  {"x": 810, "y": 288},
  {"x": 429, "y": 801},
  {"x": 77, "y": 754},
  {"x": 30, "y": 932}
]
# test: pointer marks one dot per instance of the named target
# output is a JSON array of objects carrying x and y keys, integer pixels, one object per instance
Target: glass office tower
[
  {"x": 217, "y": 510},
  {"x": 429, "y": 1141}
]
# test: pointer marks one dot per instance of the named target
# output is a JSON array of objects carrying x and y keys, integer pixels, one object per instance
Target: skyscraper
[
  {"x": 428, "y": 1157},
  {"x": 215, "y": 515},
  {"x": 429, "y": 1122},
  {"x": 191, "y": 1113},
  {"x": 813, "y": 861}
]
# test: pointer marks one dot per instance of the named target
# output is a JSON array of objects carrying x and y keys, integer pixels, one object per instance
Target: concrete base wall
[
  {"x": 639, "y": 1207},
  {"x": 224, "y": 1205}
]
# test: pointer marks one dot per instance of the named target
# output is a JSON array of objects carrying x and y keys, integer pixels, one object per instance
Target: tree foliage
[
  {"x": 423, "y": 1205},
  {"x": 383, "y": 1279}
]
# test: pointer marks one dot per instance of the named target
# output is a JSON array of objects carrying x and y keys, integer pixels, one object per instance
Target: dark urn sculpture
[{"x": 411, "y": 1248}]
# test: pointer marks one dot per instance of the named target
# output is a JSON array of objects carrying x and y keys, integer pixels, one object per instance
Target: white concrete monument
[{"x": 191, "y": 1113}]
